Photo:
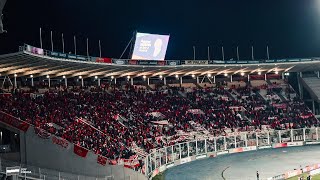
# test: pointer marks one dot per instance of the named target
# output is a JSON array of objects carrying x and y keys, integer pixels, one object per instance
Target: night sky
[{"x": 291, "y": 28}]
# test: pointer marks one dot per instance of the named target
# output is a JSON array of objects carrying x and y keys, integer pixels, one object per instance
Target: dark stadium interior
[{"x": 142, "y": 90}]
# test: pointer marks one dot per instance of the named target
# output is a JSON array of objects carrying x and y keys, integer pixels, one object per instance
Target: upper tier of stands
[{"x": 314, "y": 84}]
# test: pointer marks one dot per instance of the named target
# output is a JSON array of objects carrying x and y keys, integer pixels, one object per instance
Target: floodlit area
[{"x": 243, "y": 166}]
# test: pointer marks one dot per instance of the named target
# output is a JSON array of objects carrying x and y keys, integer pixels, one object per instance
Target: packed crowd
[{"x": 110, "y": 120}]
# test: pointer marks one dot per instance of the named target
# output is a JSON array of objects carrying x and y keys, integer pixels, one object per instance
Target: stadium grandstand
[{"x": 82, "y": 117}]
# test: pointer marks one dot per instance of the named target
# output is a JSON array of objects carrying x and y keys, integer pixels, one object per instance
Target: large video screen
[{"x": 150, "y": 46}]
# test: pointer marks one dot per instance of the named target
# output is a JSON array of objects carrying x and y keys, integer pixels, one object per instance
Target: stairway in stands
[{"x": 283, "y": 99}]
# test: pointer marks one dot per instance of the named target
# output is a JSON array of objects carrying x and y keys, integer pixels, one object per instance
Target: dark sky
[{"x": 291, "y": 28}]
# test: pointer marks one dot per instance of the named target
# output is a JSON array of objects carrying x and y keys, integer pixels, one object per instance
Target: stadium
[{"x": 65, "y": 115}]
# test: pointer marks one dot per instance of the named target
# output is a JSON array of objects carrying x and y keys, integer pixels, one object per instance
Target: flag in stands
[
  {"x": 80, "y": 151},
  {"x": 102, "y": 160},
  {"x": 41, "y": 133}
]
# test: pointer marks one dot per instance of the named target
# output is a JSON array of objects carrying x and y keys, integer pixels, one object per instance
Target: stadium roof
[{"x": 25, "y": 63}]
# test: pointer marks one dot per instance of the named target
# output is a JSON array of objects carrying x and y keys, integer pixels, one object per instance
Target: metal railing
[
  {"x": 37, "y": 173},
  {"x": 161, "y": 159}
]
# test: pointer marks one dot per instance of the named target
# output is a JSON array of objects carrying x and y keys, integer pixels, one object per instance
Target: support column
[
  {"x": 148, "y": 81},
  {"x": 214, "y": 79},
  {"x": 197, "y": 79},
  {"x": 15, "y": 81},
  {"x": 246, "y": 140},
  {"x": 282, "y": 74},
  {"x": 82, "y": 83},
  {"x": 49, "y": 83},
  {"x": 166, "y": 148},
  {"x": 66, "y": 81},
  {"x": 230, "y": 78},
  {"x": 269, "y": 138},
  {"x": 132, "y": 81},
  {"x": 291, "y": 135},
  {"x": 318, "y": 74},
  {"x": 265, "y": 77},
  {"x": 280, "y": 140},
  {"x": 99, "y": 82},
  {"x": 215, "y": 144},
  {"x": 188, "y": 149},
  {"x": 205, "y": 146},
  {"x": 181, "y": 80},
  {"x": 115, "y": 80},
  {"x": 248, "y": 77},
  {"x": 164, "y": 80},
  {"x": 313, "y": 107},
  {"x": 32, "y": 84},
  {"x": 196, "y": 147},
  {"x": 299, "y": 85},
  {"x": 180, "y": 151}
]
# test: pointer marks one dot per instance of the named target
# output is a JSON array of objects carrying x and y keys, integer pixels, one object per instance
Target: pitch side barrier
[
  {"x": 311, "y": 169},
  {"x": 161, "y": 159},
  {"x": 70, "y": 56}
]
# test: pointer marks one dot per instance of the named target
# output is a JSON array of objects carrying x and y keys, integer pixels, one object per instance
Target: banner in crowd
[
  {"x": 35, "y": 50},
  {"x": 41, "y": 133},
  {"x": 173, "y": 63},
  {"x": 151, "y": 63},
  {"x": 103, "y": 60},
  {"x": 60, "y": 142},
  {"x": 132, "y": 62},
  {"x": 102, "y": 160},
  {"x": 80, "y": 151},
  {"x": 280, "y": 145},
  {"x": 280, "y": 106},
  {"x": 195, "y": 62},
  {"x": 131, "y": 163},
  {"x": 257, "y": 77},
  {"x": 306, "y": 116},
  {"x": 14, "y": 122}
]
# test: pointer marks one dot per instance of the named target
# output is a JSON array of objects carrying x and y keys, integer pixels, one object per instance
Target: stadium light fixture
[
  {"x": 242, "y": 74},
  {"x": 112, "y": 77},
  {"x": 63, "y": 77},
  {"x": 15, "y": 75},
  {"x": 209, "y": 75},
  {"x": 160, "y": 76},
  {"x": 277, "y": 72},
  {"x": 80, "y": 77},
  {"x": 193, "y": 76},
  {"x": 96, "y": 77},
  {"x": 48, "y": 76},
  {"x": 144, "y": 77},
  {"x": 225, "y": 74},
  {"x": 286, "y": 74},
  {"x": 259, "y": 73},
  {"x": 31, "y": 76},
  {"x": 177, "y": 76},
  {"x": 128, "y": 77}
]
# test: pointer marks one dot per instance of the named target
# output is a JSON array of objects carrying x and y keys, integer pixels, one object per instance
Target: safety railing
[
  {"x": 70, "y": 56},
  {"x": 161, "y": 159}
]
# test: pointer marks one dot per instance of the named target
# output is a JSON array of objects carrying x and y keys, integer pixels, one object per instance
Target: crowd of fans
[{"x": 110, "y": 120}]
